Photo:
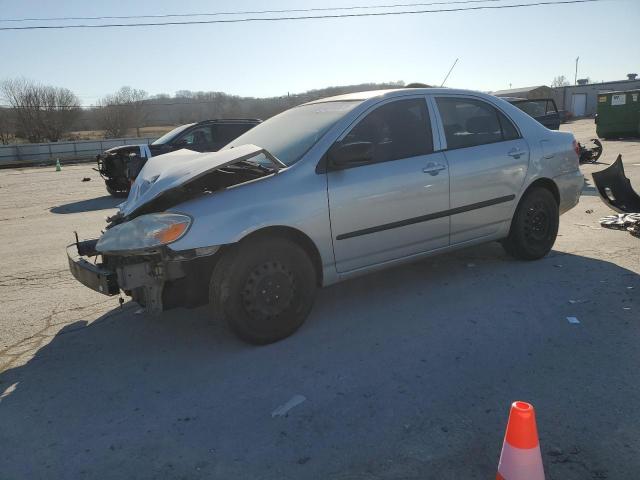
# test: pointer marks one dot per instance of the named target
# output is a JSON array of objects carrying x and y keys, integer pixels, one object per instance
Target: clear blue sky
[{"x": 522, "y": 47}]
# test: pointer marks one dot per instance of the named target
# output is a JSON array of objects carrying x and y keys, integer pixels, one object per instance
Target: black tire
[
  {"x": 264, "y": 288},
  {"x": 534, "y": 227},
  {"x": 118, "y": 189}
]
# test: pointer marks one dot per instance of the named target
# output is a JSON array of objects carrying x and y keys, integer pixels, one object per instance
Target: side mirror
[{"x": 350, "y": 154}]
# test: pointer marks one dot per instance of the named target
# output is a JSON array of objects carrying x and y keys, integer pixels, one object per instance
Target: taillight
[{"x": 576, "y": 147}]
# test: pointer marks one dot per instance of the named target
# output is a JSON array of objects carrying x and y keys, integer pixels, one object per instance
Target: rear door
[
  {"x": 488, "y": 162},
  {"x": 224, "y": 133},
  {"x": 396, "y": 205}
]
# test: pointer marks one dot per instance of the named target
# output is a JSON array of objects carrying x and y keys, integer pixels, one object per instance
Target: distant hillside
[{"x": 186, "y": 106}]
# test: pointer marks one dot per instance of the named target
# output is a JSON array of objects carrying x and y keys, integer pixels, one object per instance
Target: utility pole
[{"x": 575, "y": 79}]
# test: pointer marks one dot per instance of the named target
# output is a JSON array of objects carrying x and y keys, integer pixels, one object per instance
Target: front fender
[{"x": 294, "y": 199}]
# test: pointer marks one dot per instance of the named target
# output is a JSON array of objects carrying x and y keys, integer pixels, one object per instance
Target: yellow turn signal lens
[{"x": 171, "y": 232}]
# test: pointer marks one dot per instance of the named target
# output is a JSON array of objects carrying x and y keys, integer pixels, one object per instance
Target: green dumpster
[{"x": 618, "y": 114}]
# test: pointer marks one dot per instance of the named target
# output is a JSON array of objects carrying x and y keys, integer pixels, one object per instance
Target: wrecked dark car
[
  {"x": 543, "y": 110},
  {"x": 119, "y": 166}
]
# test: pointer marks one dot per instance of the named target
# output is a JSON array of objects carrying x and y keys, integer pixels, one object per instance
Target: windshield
[
  {"x": 167, "y": 137},
  {"x": 289, "y": 135}
]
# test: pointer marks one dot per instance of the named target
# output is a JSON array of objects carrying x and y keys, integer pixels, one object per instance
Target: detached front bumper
[
  {"x": 155, "y": 281},
  {"x": 91, "y": 275}
]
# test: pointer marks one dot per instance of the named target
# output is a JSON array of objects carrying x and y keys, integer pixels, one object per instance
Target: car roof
[
  {"x": 395, "y": 92},
  {"x": 517, "y": 99},
  {"x": 230, "y": 120}
]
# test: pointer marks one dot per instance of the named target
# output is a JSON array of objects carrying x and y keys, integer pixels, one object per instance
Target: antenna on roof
[{"x": 445, "y": 78}]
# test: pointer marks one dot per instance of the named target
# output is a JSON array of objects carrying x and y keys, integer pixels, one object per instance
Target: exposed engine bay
[{"x": 211, "y": 182}]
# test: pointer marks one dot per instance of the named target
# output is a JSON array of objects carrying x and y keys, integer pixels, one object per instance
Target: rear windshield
[{"x": 289, "y": 135}]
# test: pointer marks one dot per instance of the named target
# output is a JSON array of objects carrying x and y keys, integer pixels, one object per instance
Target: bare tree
[
  {"x": 113, "y": 117},
  {"x": 60, "y": 110},
  {"x": 123, "y": 110},
  {"x": 559, "y": 81},
  {"x": 41, "y": 112},
  {"x": 7, "y": 126}
]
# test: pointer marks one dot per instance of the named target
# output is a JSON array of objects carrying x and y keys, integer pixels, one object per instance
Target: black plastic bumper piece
[
  {"x": 90, "y": 275},
  {"x": 615, "y": 188}
]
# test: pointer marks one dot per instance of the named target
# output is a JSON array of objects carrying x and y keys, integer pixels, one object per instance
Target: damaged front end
[
  {"x": 134, "y": 255},
  {"x": 119, "y": 166},
  {"x": 157, "y": 280}
]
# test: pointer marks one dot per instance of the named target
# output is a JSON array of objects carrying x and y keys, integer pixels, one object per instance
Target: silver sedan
[{"x": 329, "y": 190}]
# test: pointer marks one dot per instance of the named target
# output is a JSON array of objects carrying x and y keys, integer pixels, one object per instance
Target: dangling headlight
[{"x": 144, "y": 232}]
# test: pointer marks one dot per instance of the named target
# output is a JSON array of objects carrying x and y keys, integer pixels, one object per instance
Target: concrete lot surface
[{"x": 408, "y": 373}]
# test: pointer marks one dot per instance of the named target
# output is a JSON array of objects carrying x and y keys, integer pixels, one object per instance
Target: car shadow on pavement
[
  {"x": 90, "y": 205},
  {"x": 406, "y": 373}
]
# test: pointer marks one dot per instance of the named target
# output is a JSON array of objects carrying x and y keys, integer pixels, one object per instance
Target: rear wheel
[
  {"x": 264, "y": 288},
  {"x": 534, "y": 227}
]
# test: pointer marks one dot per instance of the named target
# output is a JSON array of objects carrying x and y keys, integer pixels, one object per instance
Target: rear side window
[
  {"x": 468, "y": 123},
  {"x": 509, "y": 132},
  {"x": 397, "y": 130}
]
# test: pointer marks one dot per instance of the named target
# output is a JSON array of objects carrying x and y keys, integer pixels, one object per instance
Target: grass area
[{"x": 154, "y": 131}]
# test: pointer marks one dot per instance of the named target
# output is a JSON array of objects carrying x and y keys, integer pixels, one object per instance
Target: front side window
[
  {"x": 399, "y": 129},
  {"x": 197, "y": 136},
  {"x": 469, "y": 122}
]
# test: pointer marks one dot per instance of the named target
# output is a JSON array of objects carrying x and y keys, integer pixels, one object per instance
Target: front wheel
[
  {"x": 534, "y": 226},
  {"x": 117, "y": 187},
  {"x": 264, "y": 288}
]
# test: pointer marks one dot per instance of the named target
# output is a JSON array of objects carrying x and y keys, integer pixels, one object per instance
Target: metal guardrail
[{"x": 47, "y": 153}]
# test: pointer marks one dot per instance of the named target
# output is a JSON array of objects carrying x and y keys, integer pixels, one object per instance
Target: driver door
[{"x": 396, "y": 205}]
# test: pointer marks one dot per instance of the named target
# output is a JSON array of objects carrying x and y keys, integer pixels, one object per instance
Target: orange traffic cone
[{"x": 520, "y": 458}]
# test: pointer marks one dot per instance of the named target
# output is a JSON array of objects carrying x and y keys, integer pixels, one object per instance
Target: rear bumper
[
  {"x": 569, "y": 186},
  {"x": 91, "y": 275}
]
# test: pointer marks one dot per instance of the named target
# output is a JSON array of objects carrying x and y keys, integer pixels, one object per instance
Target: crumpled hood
[{"x": 172, "y": 170}]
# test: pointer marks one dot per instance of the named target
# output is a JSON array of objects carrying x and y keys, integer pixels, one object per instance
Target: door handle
[
  {"x": 515, "y": 153},
  {"x": 433, "y": 168}
]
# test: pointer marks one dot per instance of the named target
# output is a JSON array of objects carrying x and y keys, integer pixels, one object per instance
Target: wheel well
[
  {"x": 549, "y": 185},
  {"x": 298, "y": 237}
]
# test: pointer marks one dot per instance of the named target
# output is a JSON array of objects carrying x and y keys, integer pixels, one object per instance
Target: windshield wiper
[{"x": 264, "y": 168}]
